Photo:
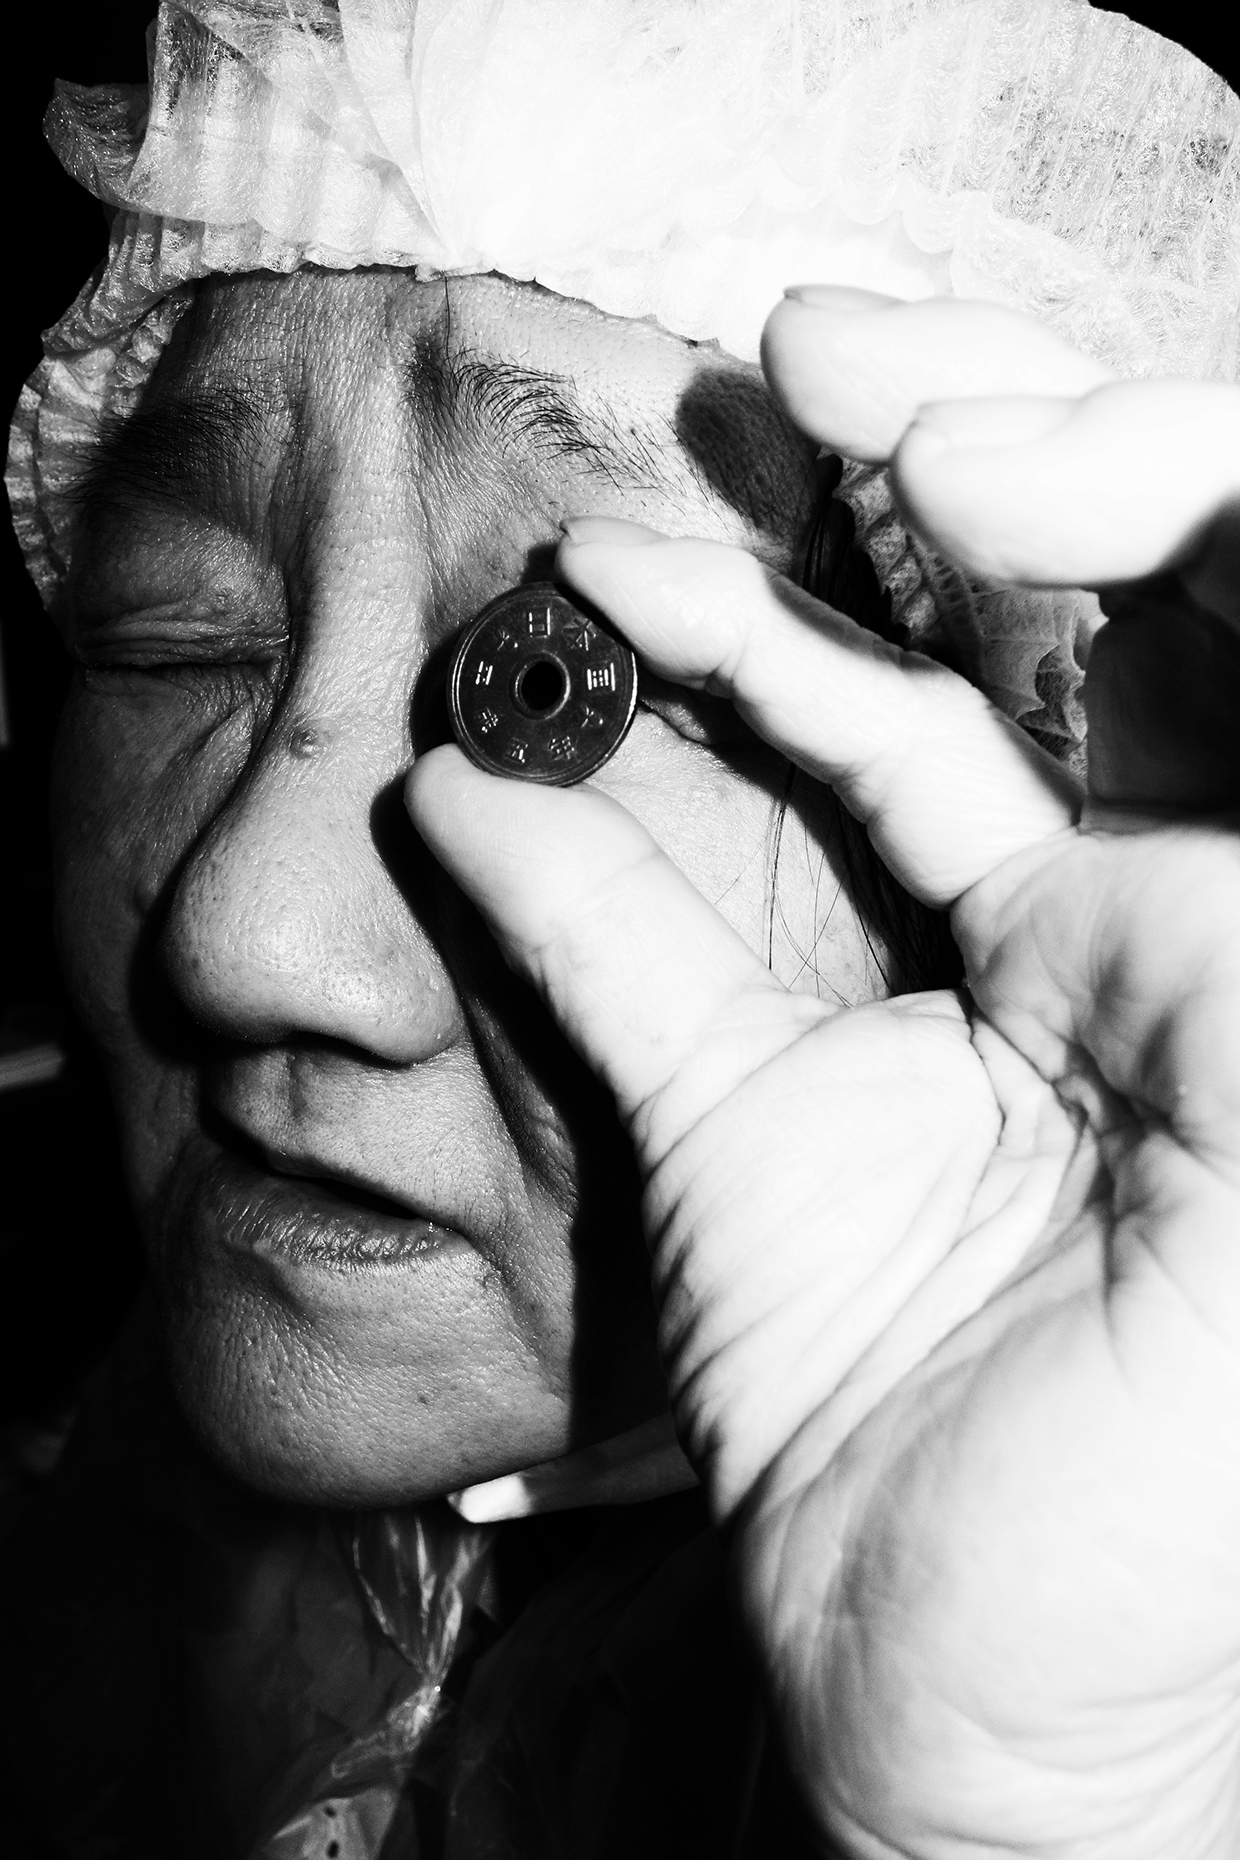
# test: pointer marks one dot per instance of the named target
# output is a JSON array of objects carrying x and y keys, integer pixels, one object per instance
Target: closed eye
[{"x": 695, "y": 715}]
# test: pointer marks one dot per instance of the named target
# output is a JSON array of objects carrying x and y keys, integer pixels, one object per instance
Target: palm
[
  {"x": 982, "y": 1455},
  {"x": 950, "y": 1302}
]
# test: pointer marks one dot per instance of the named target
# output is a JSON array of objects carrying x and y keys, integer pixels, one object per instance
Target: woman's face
[{"x": 392, "y": 1222}]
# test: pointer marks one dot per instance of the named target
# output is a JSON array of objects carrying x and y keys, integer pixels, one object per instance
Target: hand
[{"x": 950, "y": 1300}]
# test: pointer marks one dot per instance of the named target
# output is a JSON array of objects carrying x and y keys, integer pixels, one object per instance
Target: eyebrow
[
  {"x": 185, "y": 451},
  {"x": 530, "y": 408}
]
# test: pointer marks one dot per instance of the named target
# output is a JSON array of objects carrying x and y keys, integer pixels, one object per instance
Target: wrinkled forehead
[{"x": 484, "y": 359}]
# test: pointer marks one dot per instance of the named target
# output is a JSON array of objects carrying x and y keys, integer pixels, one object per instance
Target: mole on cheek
[{"x": 307, "y": 739}]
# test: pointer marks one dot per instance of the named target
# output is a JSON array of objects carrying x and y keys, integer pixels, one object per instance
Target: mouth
[{"x": 306, "y": 1218}]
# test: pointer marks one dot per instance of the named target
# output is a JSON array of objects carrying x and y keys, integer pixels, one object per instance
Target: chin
[
  {"x": 288, "y": 1425},
  {"x": 333, "y": 1353}
]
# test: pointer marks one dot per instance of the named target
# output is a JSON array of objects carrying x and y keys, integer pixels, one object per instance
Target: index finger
[{"x": 945, "y": 784}]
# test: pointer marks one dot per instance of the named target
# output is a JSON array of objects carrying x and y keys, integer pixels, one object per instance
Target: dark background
[{"x": 68, "y": 1260}]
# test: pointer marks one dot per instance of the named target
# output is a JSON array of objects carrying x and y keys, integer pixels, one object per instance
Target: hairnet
[{"x": 676, "y": 159}]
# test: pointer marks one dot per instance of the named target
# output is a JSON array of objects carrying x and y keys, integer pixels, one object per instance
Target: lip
[{"x": 304, "y": 1221}]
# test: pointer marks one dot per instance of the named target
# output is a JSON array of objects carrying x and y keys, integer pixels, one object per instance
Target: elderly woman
[{"x": 411, "y": 304}]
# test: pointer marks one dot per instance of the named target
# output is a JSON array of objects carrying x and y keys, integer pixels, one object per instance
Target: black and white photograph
[{"x": 620, "y": 835}]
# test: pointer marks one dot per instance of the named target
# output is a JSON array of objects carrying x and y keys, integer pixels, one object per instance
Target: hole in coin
[{"x": 541, "y": 687}]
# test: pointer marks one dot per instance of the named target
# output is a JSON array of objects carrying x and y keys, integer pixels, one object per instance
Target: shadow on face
[{"x": 393, "y": 1224}]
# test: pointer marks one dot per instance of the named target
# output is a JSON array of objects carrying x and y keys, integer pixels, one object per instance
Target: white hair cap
[{"x": 676, "y": 159}]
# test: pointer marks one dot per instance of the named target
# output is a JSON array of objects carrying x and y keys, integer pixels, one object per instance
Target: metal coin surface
[{"x": 540, "y": 689}]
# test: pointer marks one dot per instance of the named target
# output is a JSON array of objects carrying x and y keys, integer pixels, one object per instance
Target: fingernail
[
  {"x": 843, "y": 299},
  {"x": 494, "y": 1501},
  {"x": 609, "y": 530},
  {"x": 1013, "y": 420}
]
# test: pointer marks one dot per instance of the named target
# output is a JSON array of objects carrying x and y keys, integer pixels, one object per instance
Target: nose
[{"x": 288, "y": 921}]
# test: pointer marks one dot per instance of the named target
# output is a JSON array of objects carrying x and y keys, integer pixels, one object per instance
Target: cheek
[
  {"x": 136, "y": 779},
  {"x": 715, "y": 818},
  {"x": 815, "y": 942},
  {"x": 765, "y": 849},
  {"x": 398, "y": 1390}
]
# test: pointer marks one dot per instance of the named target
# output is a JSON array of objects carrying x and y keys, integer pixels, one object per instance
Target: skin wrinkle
[{"x": 290, "y": 914}]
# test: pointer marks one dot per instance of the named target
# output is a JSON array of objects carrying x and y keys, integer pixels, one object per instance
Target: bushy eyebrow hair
[
  {"x": 183, "y": 451},
  {"x": 533, "y": 409},
  {"x": 176, "y": 452}
]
